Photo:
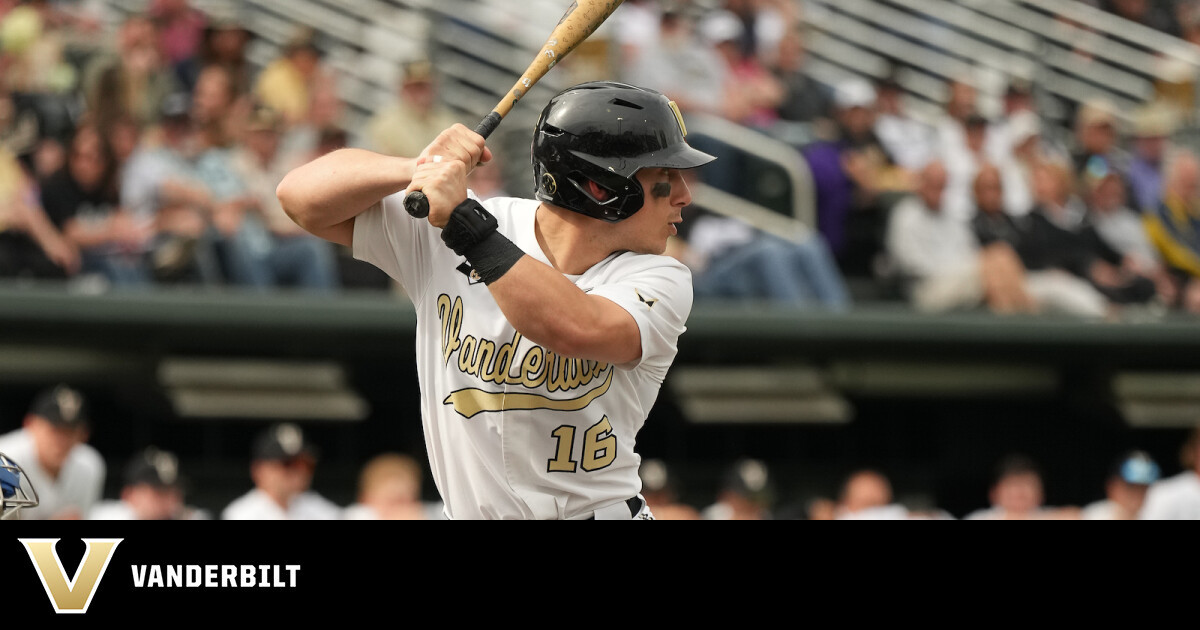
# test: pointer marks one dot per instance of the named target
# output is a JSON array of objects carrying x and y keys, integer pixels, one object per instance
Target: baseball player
[{"x": 545, "y": 326}]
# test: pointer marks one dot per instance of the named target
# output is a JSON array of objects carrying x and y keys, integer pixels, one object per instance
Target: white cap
[
  {"x": 721, "y": 26},
  {"x": 854, "y": 92},
  {"x": 1022, "y": 125}
]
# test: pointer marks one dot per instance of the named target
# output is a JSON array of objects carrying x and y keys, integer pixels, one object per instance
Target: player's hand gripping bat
[{"x": 579, "y": 22}]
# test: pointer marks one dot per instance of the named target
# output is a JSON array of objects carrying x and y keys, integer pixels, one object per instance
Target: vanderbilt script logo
[{"x": 70, "y": 596}]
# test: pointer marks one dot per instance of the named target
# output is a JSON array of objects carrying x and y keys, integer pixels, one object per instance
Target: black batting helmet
[{"x": 606, "y": 132}]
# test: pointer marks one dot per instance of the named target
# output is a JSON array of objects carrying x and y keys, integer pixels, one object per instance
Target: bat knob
[{"x": 417, "y": 204}]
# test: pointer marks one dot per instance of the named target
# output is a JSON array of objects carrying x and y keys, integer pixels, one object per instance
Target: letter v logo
[{"x": 74, "y": 596}]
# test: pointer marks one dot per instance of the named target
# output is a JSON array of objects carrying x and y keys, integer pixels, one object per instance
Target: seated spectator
[
  {"x": 752, "y": 94},
  {"x": 660, "y": 489},
  {"x": 30, "y": 245},
  {"x": 938, "y": 259},
  {"x": 731, "y": 260},
  {"x": 181, "y": 30},
  {"x": 82, "y": 199},
  {"x": 911, "y": 141},
  {"x": 405, "y": 127},
  {"x": 225, "y": 43},
  {"x": 746, "y": 493},
  {"x": 1125, "y": 489},
  {"x": 153, "y": 490},
  {"x": 1016, "y": 495},
  {"x": 1059, "y": 235},
  {"x": 1174, "y": 226},
  {"x": 805, "y": 100},
  {"x": 271, "y": 250},
  {"x": 1123, "y": 228},
  {"x": 285, "y": 83},
  {"x": 66, "y": 471},
  {"x": 389, "y": 489},
  {"x": 1177, "y": 498},
  {"x": 282, "y": 465},
  {"x": 853, "y": 175},
  {"x": 1097, "y": 135},
  {"x": 682, "y": 66},
  {"x": 1153, "y": 126},
  {"x": 131, "y": 81}
]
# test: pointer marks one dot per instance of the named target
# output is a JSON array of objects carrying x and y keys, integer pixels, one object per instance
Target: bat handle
[{"x": 415, "y": 202}]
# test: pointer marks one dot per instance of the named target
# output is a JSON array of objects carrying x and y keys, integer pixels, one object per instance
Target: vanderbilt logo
[{"x": 70, "y": 596}]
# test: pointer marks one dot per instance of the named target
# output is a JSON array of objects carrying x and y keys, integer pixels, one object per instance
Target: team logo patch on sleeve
[
  {"x": 472, "y": 276},
  {"x": 648, "y": 303}
]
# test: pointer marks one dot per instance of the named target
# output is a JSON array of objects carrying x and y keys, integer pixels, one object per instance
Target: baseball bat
[{"x": 577, "y": 24}]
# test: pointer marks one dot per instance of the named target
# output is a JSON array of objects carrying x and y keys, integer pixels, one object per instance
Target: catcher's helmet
[
  {"x": 606, "y": 132},
  {"x": 16, "y": 491}
]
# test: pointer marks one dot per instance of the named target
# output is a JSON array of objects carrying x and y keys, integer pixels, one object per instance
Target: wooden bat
[{"x": 577, "y": 24}]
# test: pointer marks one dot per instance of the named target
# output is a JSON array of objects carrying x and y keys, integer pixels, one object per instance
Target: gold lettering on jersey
[{"x": 499, "y": 364}]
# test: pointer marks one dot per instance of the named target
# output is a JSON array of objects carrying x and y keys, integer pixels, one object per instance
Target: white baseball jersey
[
  {"x": 1173, "y": 499},
  {"x": 513, "y": 430},
  {"x": 257, "y": 505},
  {"x": 79, "y": 485}
]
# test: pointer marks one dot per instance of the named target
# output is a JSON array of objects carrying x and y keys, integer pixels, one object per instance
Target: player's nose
[{"x": 682, "y": 196}]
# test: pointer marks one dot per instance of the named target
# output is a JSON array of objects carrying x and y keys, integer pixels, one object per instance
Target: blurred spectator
[
  {"x": 19, "y": 128},
  {"x": 1097, "y": 135},
  {"x": 1060, "y": 235},
  {"x": 752, "y": 95},
  {"x": 746, "y": 493},
  {"x": 764, "y": 24},
  {"x": 407, "y": 126},
  {"x": 31, "y": 246},
  {"x": 1018, "y": 99},
  {"x": 636, "y": 29},
  {"x": 282, "y": 465},
  {"x": 1017, "y": 495},
  {"x": 51, "y": 446},
  {"x": 32, "y": 50},
  {"x": 284, "y": 85},
  {"x": 487, "y": 180},
  {"x": 1174, "y": 225},
  {"x": 1153, "y": 126},
  {"x": 682, "y": 66},
  {"x": 130, "y": 81},
  {"x": 963, "y": 166},
  {"x": 1122, "y": 227},
  {"x": 805, "y": 100},
  {"x": 225, "y": 43},
  {"x": 389, "y": 489},
  {"x": 1125, "y": 489},
  {"x": 82, "y": 200},
  {"x": 1177, "y": 497},
  {"x": 153, "y": 490},
  {"x": 853, "y": 174},
  {"x": 906, "y": 138},
  {"x": 1026, "y": 154},
  {"x": 180, "y": 30},
  {"x": 272, "y": 251},
  {"x": 660, "y": 489},
  {"x": 867, "y": 495},
  {"x": 937, "y": 258},
  {"x": 950, "y": 126}
]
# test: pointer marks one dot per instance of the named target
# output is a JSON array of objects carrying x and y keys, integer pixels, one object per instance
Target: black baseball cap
[
  {"x": 282, "y": 442},
  {"x": 153, "y": 467},
  {"x": 62, "y": 406}
]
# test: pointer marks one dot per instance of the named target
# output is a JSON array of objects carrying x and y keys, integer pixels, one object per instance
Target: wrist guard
[{"x": 471, "y": 232}]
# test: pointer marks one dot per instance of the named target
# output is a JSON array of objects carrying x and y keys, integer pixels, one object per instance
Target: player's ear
[{"x": 598, "y": 192}]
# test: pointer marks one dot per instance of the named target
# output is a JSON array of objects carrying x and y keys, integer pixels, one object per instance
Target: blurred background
[{"x": 945, "y": 266}]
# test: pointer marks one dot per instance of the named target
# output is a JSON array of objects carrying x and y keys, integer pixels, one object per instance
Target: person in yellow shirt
[
  {"x": 414, "y": 120},
  {"x": 284, "y": 83}
]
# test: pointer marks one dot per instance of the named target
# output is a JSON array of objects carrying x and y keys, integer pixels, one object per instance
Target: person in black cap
[
  {"x": 153, "y": 491},
  {"x": 52, "y": 448},
  {"x": 1128, "y": 481},
  {"x": 747, "y": 493},
  {"x": 282, "y": 466}
]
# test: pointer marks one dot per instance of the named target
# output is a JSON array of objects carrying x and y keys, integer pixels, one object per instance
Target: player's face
[
  {"x": 54, "y": 443},
  {"x": 666, "y": 195}
]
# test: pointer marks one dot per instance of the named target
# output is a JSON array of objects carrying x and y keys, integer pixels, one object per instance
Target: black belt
[{"x": 635, "y": 506}]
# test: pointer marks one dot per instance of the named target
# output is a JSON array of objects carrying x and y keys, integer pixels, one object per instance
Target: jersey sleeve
[
  {"x": 657, "y": 292},
  {"x": 387, "y": 237}
]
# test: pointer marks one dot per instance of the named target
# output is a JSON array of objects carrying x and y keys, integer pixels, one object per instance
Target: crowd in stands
[
  {"x": 957, "y": 212},
  {"x": 149, "y": 155}
]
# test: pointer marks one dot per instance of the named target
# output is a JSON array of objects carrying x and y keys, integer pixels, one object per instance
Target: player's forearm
[
  {"x": 338, "y": 186},
  {"x": 551, "y": 311}
]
